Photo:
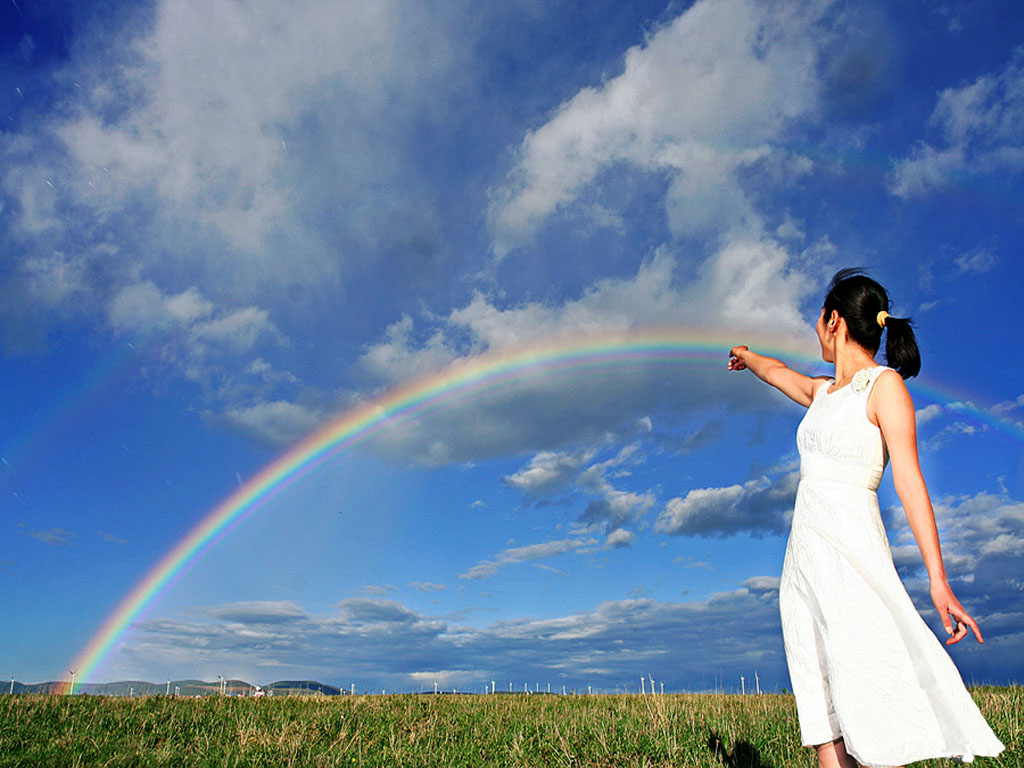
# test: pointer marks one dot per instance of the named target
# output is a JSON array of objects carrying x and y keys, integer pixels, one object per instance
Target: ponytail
[
  {"x": 901, "y": 350},
  {"x": 864, "y": 304}
]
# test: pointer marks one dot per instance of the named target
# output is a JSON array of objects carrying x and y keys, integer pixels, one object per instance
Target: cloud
[
  {"x": 614, "y": 509},
  {"x": 375, "y": 644},
  {"x": 262, "y": 154},
  {"x": 929, "y": 412},
  {"x": 982, "y": 131},
  {"x": 111, "y": 538},
  {"x": 947, "y": 434},
  {"x": 744, "y": 284},
  {"x": 375, "y": 589},
  {"x": 512, "y": 555},
  {"x": 982, "y": 539},
  {"x": 701, "y": 101},
  {"x": 619, "y": 538},
  {"x": 280, "y": 422},
  {"x": 256, "y": 612},
  {"x": 758, "y": 507},
  {"x": 548, "y": 472},
  {"x": 428, "y": 586},
  {"x": 980, "y": 260},
  {"x": 53, "y": 536}
]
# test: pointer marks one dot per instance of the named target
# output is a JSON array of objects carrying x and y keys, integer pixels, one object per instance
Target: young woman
[{"x": 872, "y": 683}]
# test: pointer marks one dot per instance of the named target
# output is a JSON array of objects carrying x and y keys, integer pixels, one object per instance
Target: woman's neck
[{"x": 850, "y": 357}]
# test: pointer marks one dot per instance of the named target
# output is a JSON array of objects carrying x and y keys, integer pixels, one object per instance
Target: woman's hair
[{"x": 858, "y": 299}]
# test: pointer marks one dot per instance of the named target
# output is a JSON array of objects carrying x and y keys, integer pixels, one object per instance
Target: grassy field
[{"x": 406, "y": 730}]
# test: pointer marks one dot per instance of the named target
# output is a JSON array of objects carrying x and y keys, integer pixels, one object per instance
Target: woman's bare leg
[{"x": 833, "y": 755}]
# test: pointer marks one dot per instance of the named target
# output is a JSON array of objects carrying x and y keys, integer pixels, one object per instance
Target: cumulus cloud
[
  {"x": 701, "y": 100},
  {"x": 929, "y": 412},
  {"x": 614, "y": 509},
  {"x": 759, "y": 507},
  {"x": 279, "y": 421},
  {"x": 254, "y": 152},
  {"x": 981, "y": 125},
  {"x": 542, "y": 551},
  {"x": 745, "y": 284},
  {"x": 376, "y": 643},
  {"x": 611, "y": 509},
  {"x": 548, "y": 472},
  {"x": 982, "y": 543}
]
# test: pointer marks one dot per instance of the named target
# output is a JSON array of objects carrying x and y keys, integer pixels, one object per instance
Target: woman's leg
[{"x": 833, "y": 755}]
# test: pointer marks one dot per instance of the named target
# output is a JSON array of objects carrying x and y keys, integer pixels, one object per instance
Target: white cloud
[
  {"x": 512, "y": 555},
  {"x": 378, "y": 643},
  {"x": 428, "y": 586},
  {"x": 700, "y": 100},
  {"x": 618, "y": 538},
  {"x": 926, "y": 414},
  {"x": 758, "y": 507},
  {"x": 982, "y": 129},
  {"x": 548, "y": 472},
  {"x": 747, "y": 284},
  {"x": 279, "y": 421},
  {"x": 979, "y": 260}
]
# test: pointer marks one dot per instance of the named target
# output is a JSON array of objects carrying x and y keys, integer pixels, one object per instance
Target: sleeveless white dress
[{"x": 863, "y": 664}]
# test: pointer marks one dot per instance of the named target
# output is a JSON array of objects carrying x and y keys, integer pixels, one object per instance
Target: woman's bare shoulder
[{"x": 889, "y": 394}]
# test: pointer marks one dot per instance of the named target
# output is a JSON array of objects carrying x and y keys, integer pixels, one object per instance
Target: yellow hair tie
[{"x": 880, "y": 318}]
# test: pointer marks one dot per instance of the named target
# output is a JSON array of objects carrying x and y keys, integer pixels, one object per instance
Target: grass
[{"x": 699, "y": 730}]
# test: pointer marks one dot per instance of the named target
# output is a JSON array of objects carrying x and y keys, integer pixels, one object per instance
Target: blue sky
[{"x": 223, "y": 223}]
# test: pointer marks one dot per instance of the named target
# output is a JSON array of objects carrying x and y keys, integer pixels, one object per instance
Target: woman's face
[{"x": 825, "y": 337}]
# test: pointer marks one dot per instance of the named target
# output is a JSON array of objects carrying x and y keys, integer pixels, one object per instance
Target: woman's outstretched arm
[
  {"x": 892, "y": 409},
  {"x": 792, "y": 384}
]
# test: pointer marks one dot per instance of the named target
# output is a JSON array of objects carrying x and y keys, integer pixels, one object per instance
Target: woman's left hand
[{"x": 947, "y": 605}]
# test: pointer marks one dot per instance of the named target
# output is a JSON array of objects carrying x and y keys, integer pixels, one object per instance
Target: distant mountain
[{"x": 180, "y": 688}]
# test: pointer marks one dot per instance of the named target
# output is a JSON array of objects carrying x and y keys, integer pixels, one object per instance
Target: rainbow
[{"x": 466, "y": 378}]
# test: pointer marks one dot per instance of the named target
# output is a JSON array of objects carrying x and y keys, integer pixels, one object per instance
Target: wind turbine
[{"x": 71, "y": 690}]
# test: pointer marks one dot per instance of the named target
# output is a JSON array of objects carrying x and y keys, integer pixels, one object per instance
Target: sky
[{"x": 224, "y": 224}]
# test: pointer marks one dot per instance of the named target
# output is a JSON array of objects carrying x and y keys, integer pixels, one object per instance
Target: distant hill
[{"x": 179, "y": 687}]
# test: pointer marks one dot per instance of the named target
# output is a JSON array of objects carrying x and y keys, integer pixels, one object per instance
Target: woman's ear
[{"x": 833, "y": 321}]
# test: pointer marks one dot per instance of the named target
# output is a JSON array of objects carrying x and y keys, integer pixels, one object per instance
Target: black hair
[{"x": 858, "y": 299}]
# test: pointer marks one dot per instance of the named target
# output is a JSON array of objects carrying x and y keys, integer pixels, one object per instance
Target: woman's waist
[{"x": 818, "y": 468}]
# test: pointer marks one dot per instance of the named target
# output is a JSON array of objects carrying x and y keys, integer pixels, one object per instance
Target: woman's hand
[
  {"x": 947, "y": 605},
  {"x": 735, "y": 358}
]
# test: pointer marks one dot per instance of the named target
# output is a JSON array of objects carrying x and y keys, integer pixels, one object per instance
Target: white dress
[{"x": 863, "y": 664}]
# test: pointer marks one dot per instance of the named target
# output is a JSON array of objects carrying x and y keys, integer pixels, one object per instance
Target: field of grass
[{"x": 408, "y": 730}]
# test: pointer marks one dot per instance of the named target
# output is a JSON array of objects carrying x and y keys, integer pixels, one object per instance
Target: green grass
[{"x": 404, "y": 730}]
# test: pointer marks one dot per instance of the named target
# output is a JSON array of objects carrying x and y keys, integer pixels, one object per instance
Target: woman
[{"x": 872, "y": 683}]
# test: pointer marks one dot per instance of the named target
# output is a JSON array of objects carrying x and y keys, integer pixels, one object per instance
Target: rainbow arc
[{"x": 467, "y": 378}]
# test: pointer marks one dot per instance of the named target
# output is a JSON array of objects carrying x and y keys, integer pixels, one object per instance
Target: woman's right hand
[{"x": 736, "y": 362}]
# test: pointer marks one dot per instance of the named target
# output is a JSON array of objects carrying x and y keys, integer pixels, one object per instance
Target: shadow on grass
[{"x": 742, "y": 755}]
